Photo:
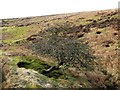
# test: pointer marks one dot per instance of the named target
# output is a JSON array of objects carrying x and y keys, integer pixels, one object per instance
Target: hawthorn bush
[{"x": 68, "y": 51}]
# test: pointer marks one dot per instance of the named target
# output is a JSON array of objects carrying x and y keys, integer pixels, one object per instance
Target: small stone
[{"x": 48, "y": 85}]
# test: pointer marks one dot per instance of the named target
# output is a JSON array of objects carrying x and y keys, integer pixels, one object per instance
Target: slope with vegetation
[{"x": 76, "y": 50}]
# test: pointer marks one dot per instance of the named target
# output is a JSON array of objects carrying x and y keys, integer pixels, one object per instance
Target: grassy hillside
[{"x": 80, "y": 48}]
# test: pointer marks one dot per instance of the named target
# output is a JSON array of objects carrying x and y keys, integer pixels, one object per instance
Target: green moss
[
  {"x": 14, "y": 60},
  {"x": 32, "y": 62},
  {"x": 12, "y": 34},
  {"x": 54, "y": 74}
]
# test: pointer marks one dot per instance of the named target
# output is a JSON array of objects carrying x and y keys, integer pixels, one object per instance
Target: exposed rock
[{"x": 27, "y": 78}]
